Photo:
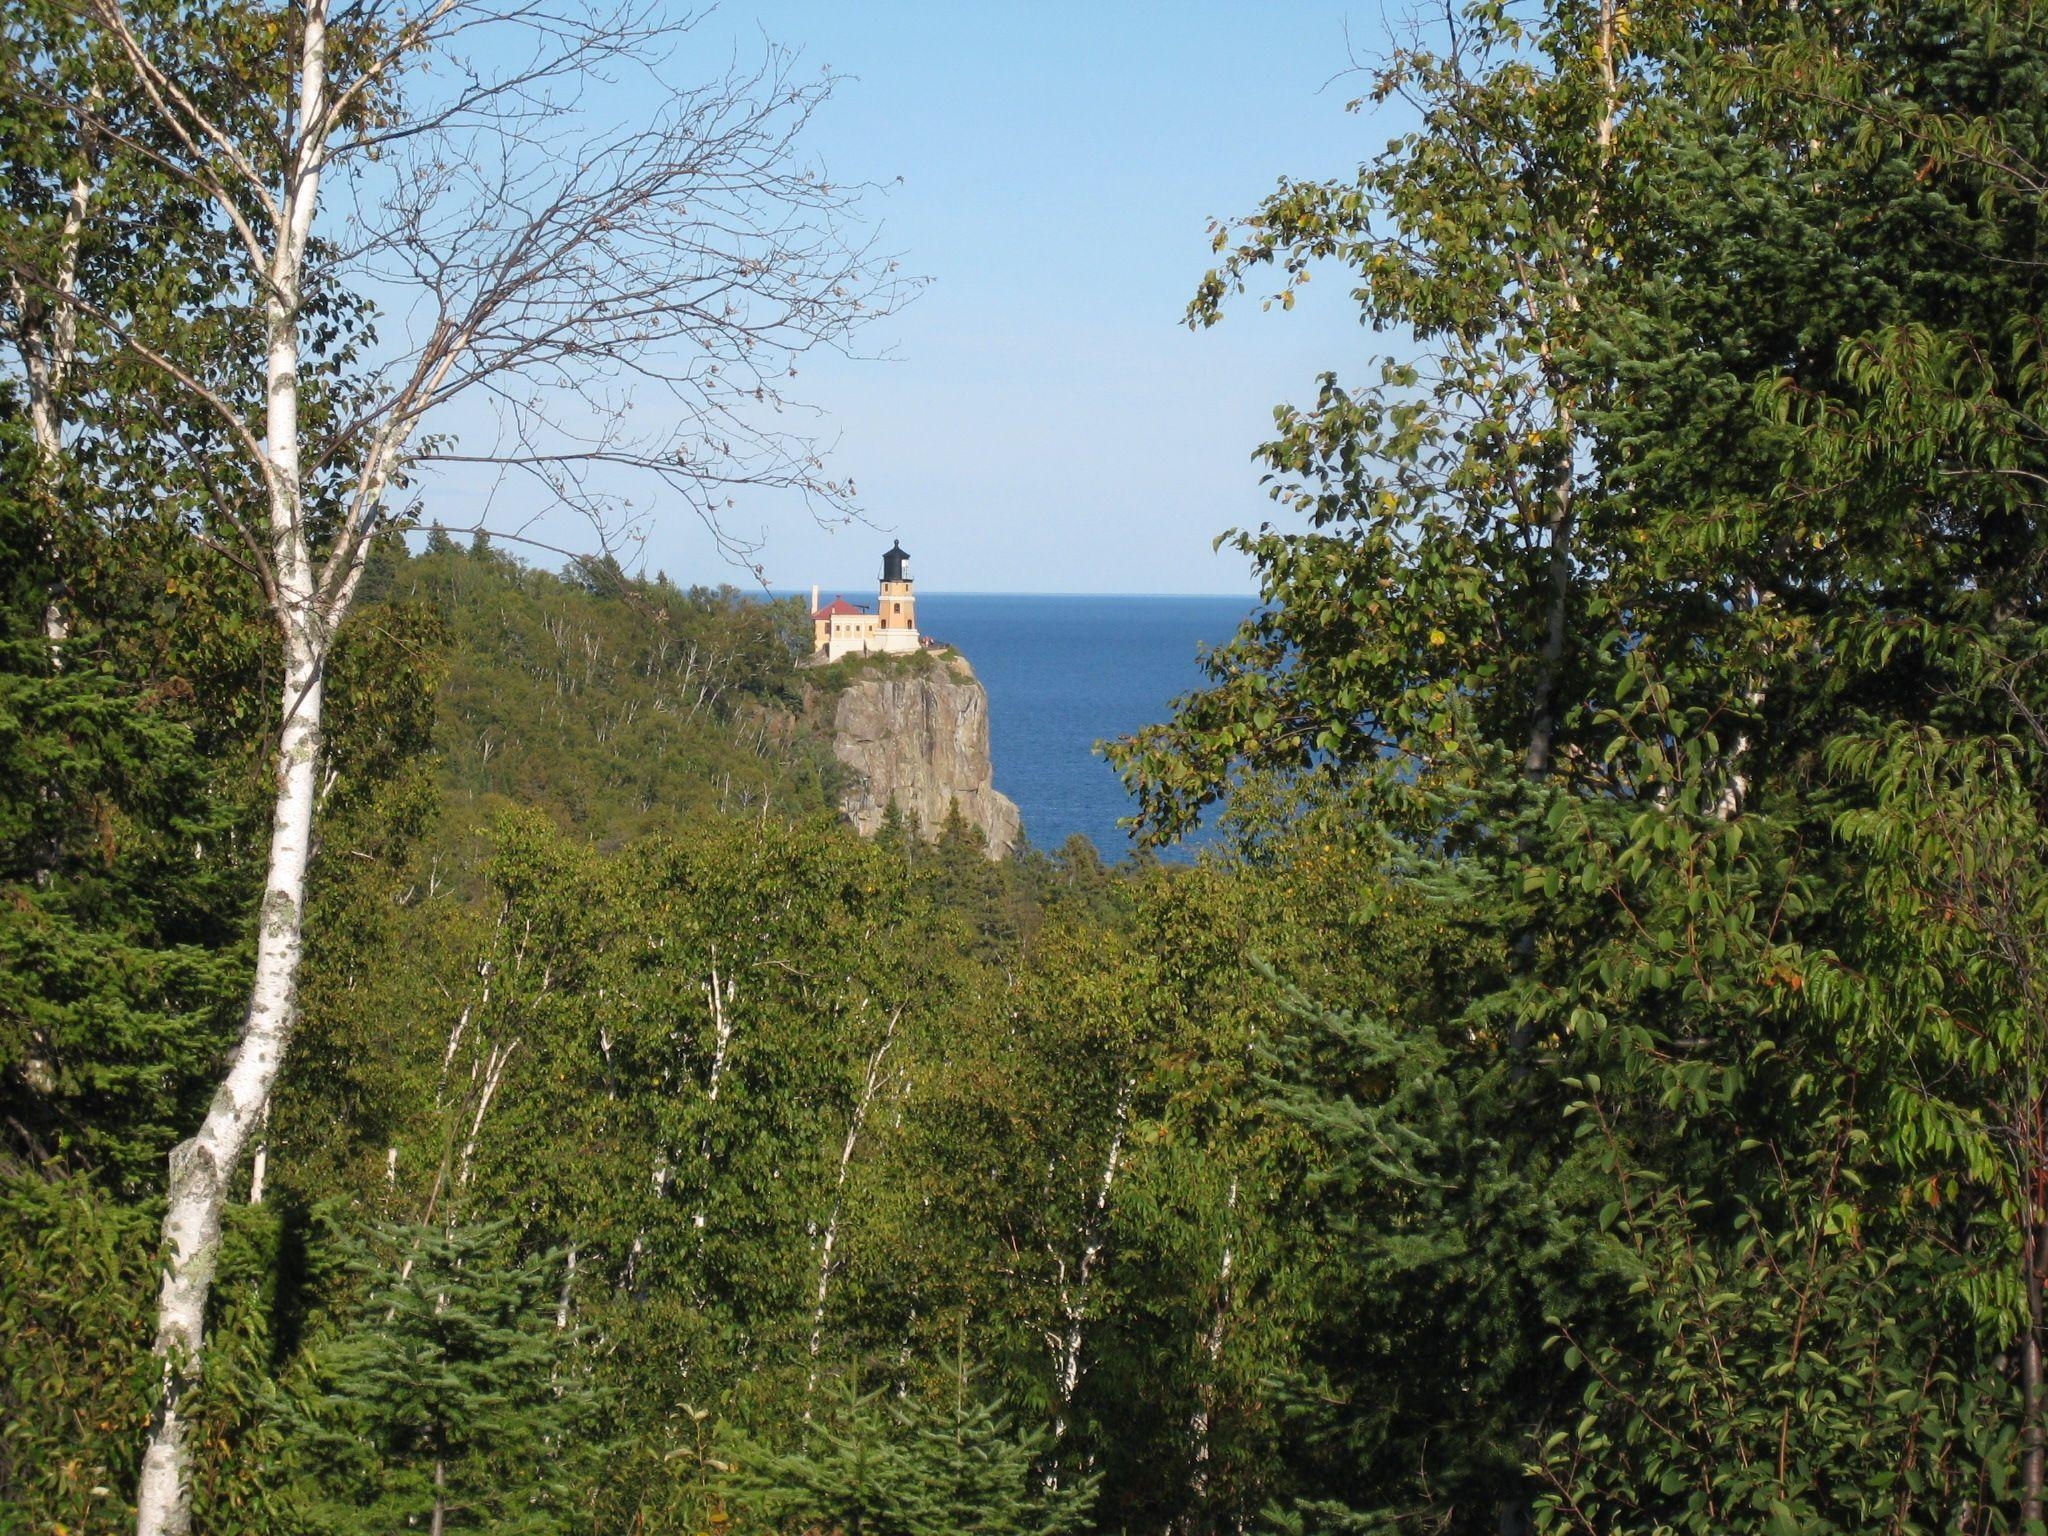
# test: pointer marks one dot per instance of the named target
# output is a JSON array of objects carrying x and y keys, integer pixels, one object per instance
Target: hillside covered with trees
[{"x": 457, "y": 1074}]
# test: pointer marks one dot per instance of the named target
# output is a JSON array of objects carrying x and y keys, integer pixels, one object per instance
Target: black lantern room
[{"x": 895, "y": 564}]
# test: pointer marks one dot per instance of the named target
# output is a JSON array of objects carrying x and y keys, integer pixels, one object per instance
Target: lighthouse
[
  {"x": 896, "y": 606},
  {"x": 841, "y": 628}
]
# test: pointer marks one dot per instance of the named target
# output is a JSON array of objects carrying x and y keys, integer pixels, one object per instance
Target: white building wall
[{"x": 863, "y": 637}]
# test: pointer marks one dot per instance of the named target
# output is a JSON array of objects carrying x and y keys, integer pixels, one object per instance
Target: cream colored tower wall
[{"x": 898, "y": 609}]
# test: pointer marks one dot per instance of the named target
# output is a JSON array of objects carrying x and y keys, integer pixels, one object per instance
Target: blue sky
[{"x": 1045, "y": 422}]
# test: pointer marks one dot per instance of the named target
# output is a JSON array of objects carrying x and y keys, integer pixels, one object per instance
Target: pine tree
[
  {"x": 451, "y": 1400},
  {"x": 881, "y": 1464},
  {"x": 120, "y": 924}
]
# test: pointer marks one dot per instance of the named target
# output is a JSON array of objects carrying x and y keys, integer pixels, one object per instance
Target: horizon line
[{"x": 1002, "y": 592}]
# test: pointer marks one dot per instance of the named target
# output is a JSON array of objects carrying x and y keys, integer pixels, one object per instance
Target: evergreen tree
[
  {"x": 886, "y": 1464},
  {"x": 450, "y": 1398},
  {"x": 120, "y": 926}
]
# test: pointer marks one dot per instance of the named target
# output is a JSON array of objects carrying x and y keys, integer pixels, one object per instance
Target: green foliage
[
  {"x": 79, "y": 1381},
  {"x": 1666, "y": 612},
  {"x": 835, "y": 678},
  {"x": 449, "y": 1395},
  {"x": 885, "y": 1464},
  {"x": 121, "y": 959},
  {"x": 112, "y": 1007},
  {"x": 623, "y": 707},
  {"x": 1942, "y": 977},
  {"x": 790, "y": 1112},
  {"x": 1796, "y": 1370},
  {"x": 258, "y": 1310}
]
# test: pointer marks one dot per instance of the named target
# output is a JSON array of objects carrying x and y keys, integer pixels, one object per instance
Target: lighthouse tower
[{"x": 897, "y": 608}]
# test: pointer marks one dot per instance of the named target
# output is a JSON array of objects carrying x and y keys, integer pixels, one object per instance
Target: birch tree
[
  {"x": 50, "y": 203},
  {"x": 557, "y": 267}
]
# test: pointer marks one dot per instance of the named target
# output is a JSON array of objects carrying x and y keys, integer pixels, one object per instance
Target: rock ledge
[{"x": 917, "y": 736}]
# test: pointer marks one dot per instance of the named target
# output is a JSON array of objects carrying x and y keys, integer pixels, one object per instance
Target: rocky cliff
[{"x": 915, "y": 731}]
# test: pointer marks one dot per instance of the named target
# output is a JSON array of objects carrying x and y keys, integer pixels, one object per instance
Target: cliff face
[{"x": 920, "y": 738}]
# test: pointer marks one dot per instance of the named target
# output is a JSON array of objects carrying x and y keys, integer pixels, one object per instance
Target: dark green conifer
[
  {"x": 882, "y": 1463},
  {"x": 448, "y": 1398}
]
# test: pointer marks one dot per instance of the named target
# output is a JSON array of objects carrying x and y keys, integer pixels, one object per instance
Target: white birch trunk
[
  {"x": 493, "y": 1074},
  {"x": 1212, "y": 1350},
  {"x": 201, "y": 1167},
  {"x": 1736, "y": 791},
  {"x": 47, "y": 356},
  {"x": 1074, "y": 1299},
  {"x": 259, "y": 1165},
  {"x": 831, "y": 1236},
  {"x": 721, "y": 995},
  {"x": 47, "y": 340},
  {"x": 568, "y": 1289},
  {"x": 48, "y": 350}
]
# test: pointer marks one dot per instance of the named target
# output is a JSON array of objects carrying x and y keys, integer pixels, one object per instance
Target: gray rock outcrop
[{"x": 917, "y": 736}]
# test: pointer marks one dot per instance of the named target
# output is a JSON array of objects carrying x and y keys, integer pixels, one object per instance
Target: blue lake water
[{"x": 1063, "y": 673}]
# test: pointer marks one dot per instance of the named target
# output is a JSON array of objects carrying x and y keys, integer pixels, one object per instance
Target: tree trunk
[
  {"x": 440, "y": 1514},
  {"x": 1537, "y": 753},
  {"x": 201, "y": 1167},
  {"x": 49, "y": 346},
  {"x": 1212, "y": 1355},
  {"x": 1074, "y": 1301},
  {"x": 46, "y": 338},
  {"x": 2033, "y": 1440},
  {"x": 259, "y": 1165},
  {"x": 721, "y": 995},
  {"x": 830, "y": 1238},
  {"x": 1563, "y": 513},
  {"x": 1543, "y": 707},
  {"x": 568, "y": 1289}
]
